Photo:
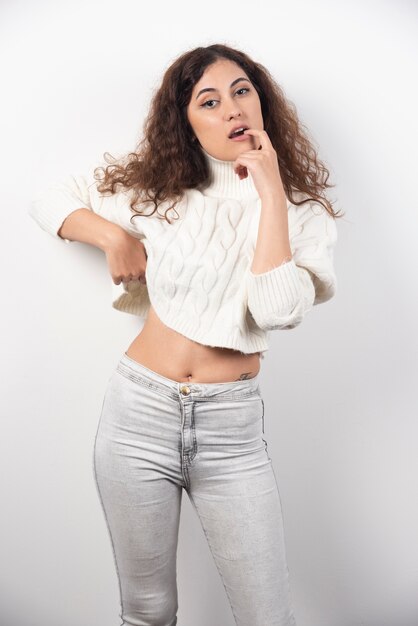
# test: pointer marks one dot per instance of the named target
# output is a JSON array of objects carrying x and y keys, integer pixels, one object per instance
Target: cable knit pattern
[{"x": 198, "y": 272}]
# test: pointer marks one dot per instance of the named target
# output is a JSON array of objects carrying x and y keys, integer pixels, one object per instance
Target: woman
[{"x": 230, "y": 237}]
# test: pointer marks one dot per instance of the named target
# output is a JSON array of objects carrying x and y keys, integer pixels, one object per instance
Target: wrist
[
  {"x": 111, "y": 235},
  {"x": 275, "y": 200}
]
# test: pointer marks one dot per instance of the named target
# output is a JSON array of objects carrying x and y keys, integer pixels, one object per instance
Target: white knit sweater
[{"x": 198, "y": 268}]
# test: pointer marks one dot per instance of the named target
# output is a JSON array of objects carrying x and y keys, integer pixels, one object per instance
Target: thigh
[
  {"x": 235, "y": 494},
  {"x": 135, "y": 473}
]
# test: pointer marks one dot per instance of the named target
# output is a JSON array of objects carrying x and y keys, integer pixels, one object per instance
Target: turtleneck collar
[{"x": 225, "y": 183}]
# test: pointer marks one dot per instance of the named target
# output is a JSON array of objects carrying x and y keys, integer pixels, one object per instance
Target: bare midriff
[{"x": 174, "y": 356}]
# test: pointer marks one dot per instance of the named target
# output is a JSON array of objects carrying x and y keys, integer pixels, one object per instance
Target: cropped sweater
[{"x": 198, "y": 276}]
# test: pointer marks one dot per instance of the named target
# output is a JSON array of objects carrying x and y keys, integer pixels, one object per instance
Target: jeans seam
[
  {"x": 105, "y": 515},
  {"x": 233, "y": 396},
  {"x": 193, "y": 429}
]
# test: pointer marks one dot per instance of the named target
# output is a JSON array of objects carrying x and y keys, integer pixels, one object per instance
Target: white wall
[{"x": 340, "y": 390}]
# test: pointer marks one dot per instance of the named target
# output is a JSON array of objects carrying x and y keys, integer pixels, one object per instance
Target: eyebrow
[{"x": 213, "y": 89}]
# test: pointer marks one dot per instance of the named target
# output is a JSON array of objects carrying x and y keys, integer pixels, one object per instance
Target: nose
[{"x": 231, "y": 109}]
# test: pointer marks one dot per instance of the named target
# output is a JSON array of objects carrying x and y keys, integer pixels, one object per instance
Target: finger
[
  {"x": 263, "y": 137},
  {"x": 242, "y": 161}
]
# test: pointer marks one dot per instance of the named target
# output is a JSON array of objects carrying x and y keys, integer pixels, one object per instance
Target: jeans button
[{"x": 185, "y": 390}]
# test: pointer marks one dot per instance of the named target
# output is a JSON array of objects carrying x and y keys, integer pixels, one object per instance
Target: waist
[
  {"x": 179, "y": 358},
  {"x": 141, "y": 374}
]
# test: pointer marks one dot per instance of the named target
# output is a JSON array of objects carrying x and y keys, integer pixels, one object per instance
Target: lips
[{"x": 235, "y": 128}]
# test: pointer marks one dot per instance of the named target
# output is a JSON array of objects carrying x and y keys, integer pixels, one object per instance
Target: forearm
[
  {"x": 273, "y": 245},
  {"x": 278, "y": 293},
  {"x": 87, "y": 227}
]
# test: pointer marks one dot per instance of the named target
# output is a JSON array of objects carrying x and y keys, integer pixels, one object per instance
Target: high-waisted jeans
[{"x": 156, "y": 437}]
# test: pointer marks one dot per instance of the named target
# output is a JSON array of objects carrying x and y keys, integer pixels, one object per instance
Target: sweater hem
[{"x": 187, "y": 328}]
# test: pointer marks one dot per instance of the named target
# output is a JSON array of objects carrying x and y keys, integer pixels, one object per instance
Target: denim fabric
[{"x": 156, "y": 437}]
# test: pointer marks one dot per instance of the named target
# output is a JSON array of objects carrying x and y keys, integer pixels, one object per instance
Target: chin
[
  {"x": 223, "y": 155},
  {"x": 230, "y": 153}
]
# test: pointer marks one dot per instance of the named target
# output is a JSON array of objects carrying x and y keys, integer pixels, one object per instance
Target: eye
[
  {"x": 207, "y": 102},
  {"x": 245, "y": 89}
]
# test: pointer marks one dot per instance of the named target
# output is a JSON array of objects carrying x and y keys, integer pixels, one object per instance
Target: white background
[{"x": 340, "y": 390}]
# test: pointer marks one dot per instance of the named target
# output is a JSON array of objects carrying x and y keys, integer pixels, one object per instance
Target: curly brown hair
[{"x": 168, "y": 160}]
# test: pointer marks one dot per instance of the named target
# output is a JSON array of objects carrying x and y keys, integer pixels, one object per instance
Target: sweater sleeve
[
  {"x": 50, "y": 207},
  {"x": 281, "y": 297}
]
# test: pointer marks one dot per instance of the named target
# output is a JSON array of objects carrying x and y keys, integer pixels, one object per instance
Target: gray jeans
[{"x": 156, "y": 437}]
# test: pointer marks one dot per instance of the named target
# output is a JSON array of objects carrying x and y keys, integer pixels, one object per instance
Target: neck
[{"x": 225, "y": 183}]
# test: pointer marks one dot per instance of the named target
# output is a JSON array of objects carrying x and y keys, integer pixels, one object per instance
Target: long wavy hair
[{"x": 169, "y": 160}]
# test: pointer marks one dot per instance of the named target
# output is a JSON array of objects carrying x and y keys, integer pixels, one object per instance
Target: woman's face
[{"x": 224, "y": 98}]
